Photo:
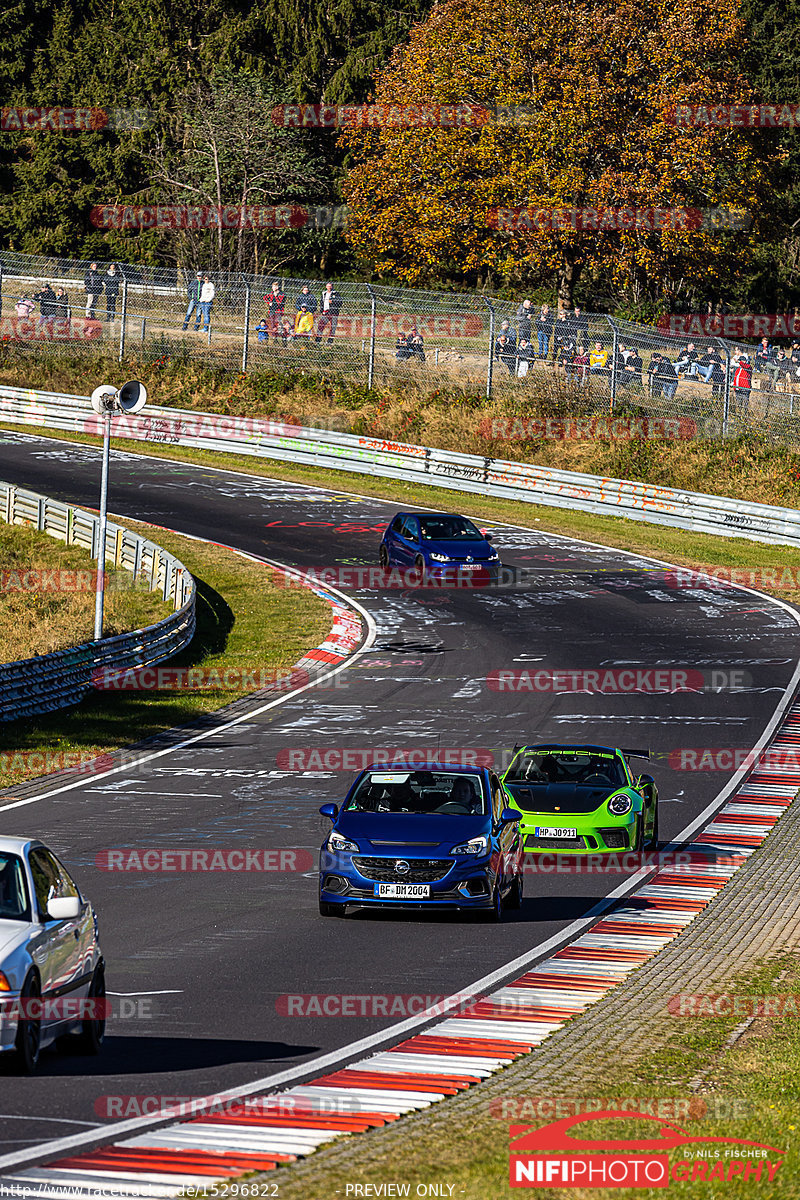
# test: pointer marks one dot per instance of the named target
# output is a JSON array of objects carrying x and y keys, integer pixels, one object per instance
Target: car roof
[
  {"x": 570, "y": 746},
  {"x": 12, "y": 845},
  {"x": 431, "y": 765},
  {"x": 430, "y": 514}
]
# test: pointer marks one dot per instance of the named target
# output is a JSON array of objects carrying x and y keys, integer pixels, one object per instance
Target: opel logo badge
[
  {"x": 469, "y": 558},
  {"x": 402, "y": 867}
]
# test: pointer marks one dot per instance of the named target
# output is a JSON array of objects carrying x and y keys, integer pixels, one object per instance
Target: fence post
[
  {"x": 144, "y": 326},
  {"x": 726, "y": 395},
  {"x": 371, "y": 368},
  {"x": 124, "y": 318},
  {"x": 246, "y": 346},
  {"x": 614, "y": 343},
  {"x": 490, "y": 366}
]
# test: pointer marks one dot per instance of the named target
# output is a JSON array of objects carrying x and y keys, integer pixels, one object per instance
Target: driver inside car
[{"x": 462, "y": 793}]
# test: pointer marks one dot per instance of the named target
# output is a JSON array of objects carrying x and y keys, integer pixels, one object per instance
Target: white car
[{"x": 52, "y": 974}]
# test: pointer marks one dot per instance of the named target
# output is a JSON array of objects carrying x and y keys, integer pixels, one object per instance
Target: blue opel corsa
[{"x": 435, "y": 837}]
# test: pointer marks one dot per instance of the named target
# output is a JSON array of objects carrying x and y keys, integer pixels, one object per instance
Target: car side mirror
[
  {"x": 64, "y": 908},
  {"x": 508, "y": 815},
  {"x": 644, "y": 781},
  {"x": 489, "y": 537},
  {"x": 329, "y": 810}
]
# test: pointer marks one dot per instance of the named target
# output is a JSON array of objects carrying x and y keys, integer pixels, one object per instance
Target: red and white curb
[{"x": 450, "y": 1056}]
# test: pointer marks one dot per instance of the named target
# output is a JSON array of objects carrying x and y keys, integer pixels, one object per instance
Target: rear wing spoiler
[{"x": 623, "y": 750}]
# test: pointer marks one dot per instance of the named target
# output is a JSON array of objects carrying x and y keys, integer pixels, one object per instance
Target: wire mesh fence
[{"x": 586, "y": 366}]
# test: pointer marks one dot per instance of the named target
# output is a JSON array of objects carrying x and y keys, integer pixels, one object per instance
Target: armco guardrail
[
  {"x": 494, "y": 477},
  {"x": 52, "y": 681}
]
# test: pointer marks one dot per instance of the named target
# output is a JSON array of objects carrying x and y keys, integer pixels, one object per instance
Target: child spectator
[
  {"x": 262, "y": 329},
  {"x": 24, "y": 307},
  {"x": 742, "y": 380}
]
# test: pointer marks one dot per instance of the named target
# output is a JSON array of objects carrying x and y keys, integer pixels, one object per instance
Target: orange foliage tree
[{"x": 600, "y": 79}]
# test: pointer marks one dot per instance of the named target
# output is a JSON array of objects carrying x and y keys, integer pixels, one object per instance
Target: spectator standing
[
  {"x": 207, "y": 293},
  {"x": 742, "y": 382},
  {"x": 581, "y": 327},
  {"x": 667, "y": 377},
  {"x": 633, "y": 367},
  {"x": 93, "y": 286},
  {"x": 598, "y": 360},
  {"x": 783, "y": 368},
  {"x": 544, "y": 330},
  {"x": 262, "y": 329},
  {"x": 61, "y": 308},
  {"x": 329, "y": 317},
  {"x": 276, "y": 302},
  {"x": 46, "y": 298},
  {"x": 766, "y": 360},
  {"x": 193, "y": 298},
  {"x": 24, "y": 307},
  {"x": 524, "y": 356},
  {"x": 112, "y": 282},
  {"x": 524, "y": 326},
  {"x": 563, "y": 336},
  {"x": 505, "y": 347}
]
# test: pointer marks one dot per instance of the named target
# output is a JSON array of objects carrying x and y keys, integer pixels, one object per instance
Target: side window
[
  {"x": 397, "y": 525},
  {"x": 411, "y": 530},
  {"x": 50, "y": 880}
]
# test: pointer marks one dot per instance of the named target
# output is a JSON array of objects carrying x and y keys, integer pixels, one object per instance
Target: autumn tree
[{"x": 599, "y": 78}]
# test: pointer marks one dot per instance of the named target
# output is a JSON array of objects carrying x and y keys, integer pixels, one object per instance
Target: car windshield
[
  {"x": 580, "y": 767},
  {"x": 441, "y": 793},
  {"x": 449, "y": 529},
  {"x": 13, "y": 890}
]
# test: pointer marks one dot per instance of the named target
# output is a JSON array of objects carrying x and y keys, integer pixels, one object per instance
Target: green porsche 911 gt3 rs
[{"x": 582, "y": 799}]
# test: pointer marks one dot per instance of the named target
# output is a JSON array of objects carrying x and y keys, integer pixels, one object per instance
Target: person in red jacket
[
  {"x": 742, "y": 381},
  {"x": 275, "y": 304}
]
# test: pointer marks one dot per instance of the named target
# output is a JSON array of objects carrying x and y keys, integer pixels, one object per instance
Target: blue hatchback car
[
  {"x": 422, "y": 837},
  {"x": 439, "y": 545}
]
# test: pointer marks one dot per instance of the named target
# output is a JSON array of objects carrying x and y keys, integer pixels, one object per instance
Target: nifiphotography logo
[{"x": 551, "y": 1156}]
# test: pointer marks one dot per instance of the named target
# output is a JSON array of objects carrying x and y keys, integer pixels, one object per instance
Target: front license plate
[
  {"x": 545, "y": 831},
  {"x": 402, "y": 891},
  {"x": 471, "y": 566}
]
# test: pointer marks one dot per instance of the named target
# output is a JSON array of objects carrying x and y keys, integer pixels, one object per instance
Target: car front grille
[
  {"x": 538, "y": 843},
  {"x": 421, "y": 870}
]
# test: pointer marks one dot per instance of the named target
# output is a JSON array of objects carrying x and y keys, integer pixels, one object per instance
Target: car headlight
[
  {"x": 440, "y": 557},
  {"x": 338, "y": 843},
  {"x": 619, "y": 805},
  {"x": 473, "y": 846},
  {"x": 493, "y": 557}
]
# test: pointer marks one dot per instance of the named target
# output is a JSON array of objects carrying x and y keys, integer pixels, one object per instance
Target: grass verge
[
  {"x": 61, "y": 614},
  {"x": 245, "y": 623},
  {"x": 746, "y": 1089}
]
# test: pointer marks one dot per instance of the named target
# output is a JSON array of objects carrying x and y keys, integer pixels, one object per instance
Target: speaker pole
[{"x": 101, "y": 549}]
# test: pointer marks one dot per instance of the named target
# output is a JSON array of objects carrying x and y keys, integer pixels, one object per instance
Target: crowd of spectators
[{"x": 564, "y": 343}]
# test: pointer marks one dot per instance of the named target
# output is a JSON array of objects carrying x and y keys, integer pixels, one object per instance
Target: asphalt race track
[{"x": 213, "y": 952}]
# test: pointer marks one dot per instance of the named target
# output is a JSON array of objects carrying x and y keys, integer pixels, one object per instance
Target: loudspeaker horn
[
  {"x": 103, "y": 399},
  {"x": 132, "y": 396}
]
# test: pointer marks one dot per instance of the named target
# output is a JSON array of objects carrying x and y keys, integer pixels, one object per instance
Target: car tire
[
  {"x": 638, "y": 840},
  {"x": 93, "y": 1032},
  {"x": 330, "y": 910},
  {"x": 653, "y": 844},
  {"x": 383, "y": 557},
  {"x": 514, "y": 899},
  {"x": 24, "y": 1058},
  {"x": 419, "y": 567},
  {"x": 494, "y": 915}
]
